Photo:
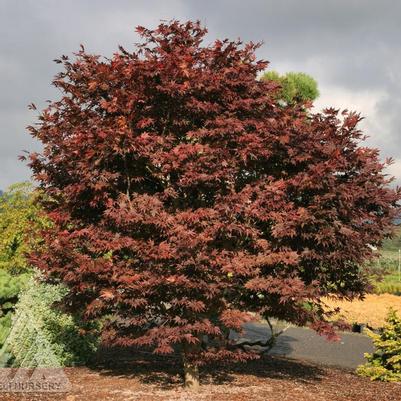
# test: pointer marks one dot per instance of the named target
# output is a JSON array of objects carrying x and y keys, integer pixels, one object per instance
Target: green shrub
[
  {"x": 43, "y": 335},
  {"x": 385, "y": 363},
  {"x": 10, "y": 287}
]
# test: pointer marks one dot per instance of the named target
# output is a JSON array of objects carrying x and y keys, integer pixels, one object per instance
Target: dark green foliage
[
  {"x": 385, "y": 363},
  {"x": 10, "y": 287}
]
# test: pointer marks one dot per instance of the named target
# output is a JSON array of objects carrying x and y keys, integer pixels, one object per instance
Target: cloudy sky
[{"x": 351, "y": 47}]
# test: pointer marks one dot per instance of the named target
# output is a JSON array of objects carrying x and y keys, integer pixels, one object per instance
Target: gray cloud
[{"x": 351, "y": 47}]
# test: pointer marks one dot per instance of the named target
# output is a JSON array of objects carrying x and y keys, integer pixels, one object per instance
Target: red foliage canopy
[{"x": 184, "y": 197}]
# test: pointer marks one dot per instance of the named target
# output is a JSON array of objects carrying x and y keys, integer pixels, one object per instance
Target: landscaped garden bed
[{"x": 156, "y": 379}]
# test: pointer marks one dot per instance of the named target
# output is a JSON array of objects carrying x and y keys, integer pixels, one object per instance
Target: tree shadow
[
  {"x": 276, "y": 367},
  {"x": 166, "y": 371}
]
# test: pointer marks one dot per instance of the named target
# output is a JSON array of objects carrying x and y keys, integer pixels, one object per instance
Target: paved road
[{"x": 305, "y": 344}]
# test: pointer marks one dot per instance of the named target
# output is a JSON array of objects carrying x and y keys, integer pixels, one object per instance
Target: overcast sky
[{"x": 351, "y": 47}]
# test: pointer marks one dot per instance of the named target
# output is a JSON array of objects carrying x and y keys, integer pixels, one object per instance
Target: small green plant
[
  {"x": 385, "y": 363},
  {"x": 42, "y": 332}
]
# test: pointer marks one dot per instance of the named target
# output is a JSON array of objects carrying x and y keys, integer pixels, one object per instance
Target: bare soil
[{"x": 125, "y": 376}]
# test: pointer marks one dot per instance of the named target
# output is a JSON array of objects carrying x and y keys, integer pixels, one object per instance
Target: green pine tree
[
  {"x": 295, "y": 87},
  {"x": 385, "y": 363}
]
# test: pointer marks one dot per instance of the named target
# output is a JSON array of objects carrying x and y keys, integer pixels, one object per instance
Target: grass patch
[
  {"x": 390, "y": 285},
  {"x": 388, "y": 261}
]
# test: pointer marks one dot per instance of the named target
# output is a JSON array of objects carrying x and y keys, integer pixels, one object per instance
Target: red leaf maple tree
[{"x": 186, "y": 201}]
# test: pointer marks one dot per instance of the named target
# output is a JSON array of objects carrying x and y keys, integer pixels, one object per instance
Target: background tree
[
  {"x": 183, "y": 198},
  {"x": 295, "y": 87},
  {"x": 20, "y": 221}
]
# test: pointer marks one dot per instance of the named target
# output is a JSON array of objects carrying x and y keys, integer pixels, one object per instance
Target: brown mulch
[{"x": 124, "y": 376}]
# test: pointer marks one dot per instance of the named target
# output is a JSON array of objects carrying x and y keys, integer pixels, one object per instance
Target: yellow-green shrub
[{"x": 385, "y": 363}]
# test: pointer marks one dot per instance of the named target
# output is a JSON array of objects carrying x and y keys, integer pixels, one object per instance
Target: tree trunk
[
  {"x": 191, "y": 375},
  {"x": 191, "y": 370}
]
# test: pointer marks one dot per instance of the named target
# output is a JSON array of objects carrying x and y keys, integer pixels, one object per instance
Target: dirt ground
[
  {"x": 372, "y": 310},
  {"x": 127, "y": 377}
]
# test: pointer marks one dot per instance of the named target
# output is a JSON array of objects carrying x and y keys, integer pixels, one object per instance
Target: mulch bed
[{"x": 124, "y": 375}]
